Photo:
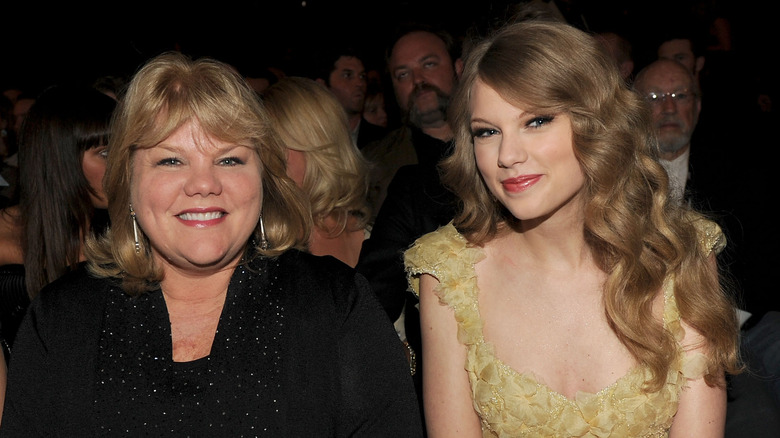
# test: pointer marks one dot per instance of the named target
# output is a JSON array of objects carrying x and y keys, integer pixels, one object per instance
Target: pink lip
[
  {"x": 520, "y": 183},
  {"x": 201, "y": 217}
]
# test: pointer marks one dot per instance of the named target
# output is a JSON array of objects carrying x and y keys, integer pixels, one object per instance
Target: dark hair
[
  {"x": 450, "y": 43},
  {"x": 6, "y": 115},
  {"x": 325, "y": 61},
  {"x": 54, "y": 194},
  {"x": 683, "y": 28},
  {"x": 111, "y": 85}
]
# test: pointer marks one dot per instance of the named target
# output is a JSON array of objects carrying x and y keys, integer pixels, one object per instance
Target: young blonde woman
[{"x": 570, "y": 296}]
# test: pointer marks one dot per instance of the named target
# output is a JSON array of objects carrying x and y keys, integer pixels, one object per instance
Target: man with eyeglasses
[
  {"x": 673, "y": 95},
  {"x": 715, "y": 181}
]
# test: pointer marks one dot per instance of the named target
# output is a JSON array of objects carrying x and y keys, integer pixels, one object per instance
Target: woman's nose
[
  {"x": 203, "y": 180},
  {"x": 511, "y": 151}
]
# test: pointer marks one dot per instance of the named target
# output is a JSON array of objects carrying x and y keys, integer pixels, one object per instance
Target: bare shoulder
[{"x": 10, "y": 233}]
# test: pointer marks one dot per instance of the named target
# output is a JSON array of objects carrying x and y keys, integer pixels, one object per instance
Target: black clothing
[
  {"x": 416, "y": 204},
  {"x": 732, "y": 178},
  {"x": 368, "y": 132},
  {"x": 13, "y": 303},
  {"x": 14, "y": 297},
  {"x": 302, "y": 349}
]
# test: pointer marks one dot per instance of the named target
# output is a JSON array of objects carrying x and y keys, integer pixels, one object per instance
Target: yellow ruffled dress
[{"x": 512, "y": 404}]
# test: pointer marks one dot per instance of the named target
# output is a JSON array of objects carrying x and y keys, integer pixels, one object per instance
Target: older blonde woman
[{"x": 199, "y": 315}]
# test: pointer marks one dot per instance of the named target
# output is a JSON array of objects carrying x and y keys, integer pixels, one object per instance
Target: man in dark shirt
[{"x": 406, "y": 191}]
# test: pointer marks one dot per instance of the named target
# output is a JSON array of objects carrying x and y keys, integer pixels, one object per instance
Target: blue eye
[
  {"x": 538, "y": 122},
  {"x": 231, "y": 161},
  {"x": 168, "y": 162},
  {"x": 484, "y": 132}
]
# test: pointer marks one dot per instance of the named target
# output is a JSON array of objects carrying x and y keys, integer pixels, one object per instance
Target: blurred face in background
[
  {"x": 296, "y": 165},
  {"x": 348, "y": 83},
  {"x": 681, "y": 50},
  {"x": 20, "y": 111},
  {"x": 672, "y": 93},
  {"x": 374, "y": 110},
  {"x": 424, "y": 76},
  {"x": 93, "y": 164}
]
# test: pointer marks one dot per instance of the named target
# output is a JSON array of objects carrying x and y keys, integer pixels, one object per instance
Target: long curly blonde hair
[{"x": 638, "y": 235}]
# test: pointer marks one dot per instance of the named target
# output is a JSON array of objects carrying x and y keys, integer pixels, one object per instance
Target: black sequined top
[{"x": 302, "y": 349}]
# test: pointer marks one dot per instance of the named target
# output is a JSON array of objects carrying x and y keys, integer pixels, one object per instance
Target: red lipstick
[{"x": 520, "y": 183}]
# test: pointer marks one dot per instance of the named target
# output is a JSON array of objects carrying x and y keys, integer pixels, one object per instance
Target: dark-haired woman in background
[{"x": 62, "y": 159}]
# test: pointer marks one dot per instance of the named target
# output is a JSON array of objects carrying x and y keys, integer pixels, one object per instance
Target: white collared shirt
[{"x": 677, "y": 170}]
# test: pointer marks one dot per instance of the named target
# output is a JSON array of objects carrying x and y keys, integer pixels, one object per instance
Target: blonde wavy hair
[
  {"x": 167, "y": 92},
  {"x": 638, "y": 236},
  {"x": 309, "y": 119}
]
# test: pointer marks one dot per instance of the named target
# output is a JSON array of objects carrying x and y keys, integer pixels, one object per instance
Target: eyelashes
[
  {"x": 539, "y": 121},
  {"x": 535, "y": 122},
  {"x": 225, "y": 161},
  {"x": 231, "y": 161},
  {"x": 168, "y": 162},
  {"x": 483, "y": 132}
]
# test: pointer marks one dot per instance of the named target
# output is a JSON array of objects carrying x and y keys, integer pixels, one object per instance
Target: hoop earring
[
  {"x": 263, "y": 240},
  {"x": 135, "y": 230}
]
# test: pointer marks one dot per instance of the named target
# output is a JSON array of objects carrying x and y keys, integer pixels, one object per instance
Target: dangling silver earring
[
  {"x": 263, "y": 240},
  {"x": 135, "y": 230}
]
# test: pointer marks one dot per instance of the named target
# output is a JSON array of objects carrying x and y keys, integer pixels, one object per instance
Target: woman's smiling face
[
  {"x": 198, "y": 199},
  {"x": 527, "y": 160}
]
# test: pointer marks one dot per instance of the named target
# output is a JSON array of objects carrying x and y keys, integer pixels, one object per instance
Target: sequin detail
[{"x": 233, "y": 391}]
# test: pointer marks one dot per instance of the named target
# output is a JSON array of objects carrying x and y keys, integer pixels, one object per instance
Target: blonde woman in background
[{"x": 324, "y": 162}]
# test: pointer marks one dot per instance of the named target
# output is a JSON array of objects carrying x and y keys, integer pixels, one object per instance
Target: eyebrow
[{"x": 429, "y": 57}]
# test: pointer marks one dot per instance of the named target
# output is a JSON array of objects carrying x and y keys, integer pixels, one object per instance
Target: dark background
[{"x": 46, "y": 44}]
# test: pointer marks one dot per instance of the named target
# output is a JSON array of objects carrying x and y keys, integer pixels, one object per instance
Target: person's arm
[
  {"x": 446, "y": 389},
  {"x": 702, "y": 408}
]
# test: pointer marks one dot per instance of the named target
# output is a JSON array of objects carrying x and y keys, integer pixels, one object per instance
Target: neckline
[{"x": 530, "y": 376}]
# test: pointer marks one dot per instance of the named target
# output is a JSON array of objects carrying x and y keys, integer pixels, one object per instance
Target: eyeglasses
[{"x": 684, "y": 96}]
